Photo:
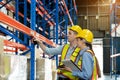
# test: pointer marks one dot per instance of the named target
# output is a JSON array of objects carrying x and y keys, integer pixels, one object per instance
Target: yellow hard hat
[
  {"x": 87, "y": 35},
  {"x": 75, "y": 28}
]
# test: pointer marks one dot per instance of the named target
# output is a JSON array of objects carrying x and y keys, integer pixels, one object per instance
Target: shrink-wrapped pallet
[
  {"x": 13, "y": 67},
  {"x": 43, "y": 69}
]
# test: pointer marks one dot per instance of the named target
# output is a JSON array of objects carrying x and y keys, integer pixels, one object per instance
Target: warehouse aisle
[{"x": 98, "y": 49}]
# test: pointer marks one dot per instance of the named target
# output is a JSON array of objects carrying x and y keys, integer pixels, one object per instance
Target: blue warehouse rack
[
  {"x": 47, "y": 18},
  {"x": 115, "y": 37}
]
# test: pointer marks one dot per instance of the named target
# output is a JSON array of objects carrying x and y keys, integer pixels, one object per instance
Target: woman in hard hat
[{"x": 86, "y": 60}]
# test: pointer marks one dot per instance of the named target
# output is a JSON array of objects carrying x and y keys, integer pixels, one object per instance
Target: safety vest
[
  {"x": 95, "y": 72},
  {"x": 72, "y": 57}
]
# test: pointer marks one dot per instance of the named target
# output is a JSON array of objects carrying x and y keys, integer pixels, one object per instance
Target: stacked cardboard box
[
  {"x": 1, "y": 45},
  {"x": 45, "y": 69},
  {"x": 54, "y": 71}
]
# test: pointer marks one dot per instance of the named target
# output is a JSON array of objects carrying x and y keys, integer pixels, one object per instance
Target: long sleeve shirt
[
  {"x": 87, "y": 65},
  {"x": 53, "y": 51},
  {"x": 87, "y": 60},
  {"x": 58, "y": 50}
]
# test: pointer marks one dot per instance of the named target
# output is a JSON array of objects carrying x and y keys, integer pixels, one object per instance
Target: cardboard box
[
  {"x": 54, "y": 69},
  {"x": 43, "y": 69},
  {"x": 28, "y": 68},
  {"x": 1, "y": 45},
  {"x": 54, "y": 75},
  {"x": 13, "y": 67},
  {"x": 38, "y": 53}
]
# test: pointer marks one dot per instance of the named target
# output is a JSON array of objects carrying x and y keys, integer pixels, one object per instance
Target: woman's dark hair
[
  {"x": 89, "y": 45},
  {"x": 97, "y": 64}
]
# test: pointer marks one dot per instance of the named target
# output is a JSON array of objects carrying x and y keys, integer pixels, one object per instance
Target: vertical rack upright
[
  {"x": 43, "y": 17},
  {"x": 115, "y": 37}
]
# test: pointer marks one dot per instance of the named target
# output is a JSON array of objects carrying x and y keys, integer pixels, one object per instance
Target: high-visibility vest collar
[{"x": 72, "y": 57}]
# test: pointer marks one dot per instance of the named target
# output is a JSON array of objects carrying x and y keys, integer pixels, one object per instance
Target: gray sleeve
[{"x": 54, "y": 51}]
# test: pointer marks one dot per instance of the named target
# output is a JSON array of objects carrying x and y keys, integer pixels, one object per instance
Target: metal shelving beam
[
  {"x": 14, "y": 45},
  {"x": 75, "y": 7},
  {"x": 114, "y": 61},
  {"x": 5, "y": 3},
  {"x": 12, "y": 9},
  {"x": 49, "y": 15},
  {"x": 11, "y": 34},
  {"x": 44, "y": 11},
  {"x": 39, "y": 12},
  {"x": 67, "y": 11},
  {"x": 10, "y": 50},
  {"x": 15, "y": 24}
]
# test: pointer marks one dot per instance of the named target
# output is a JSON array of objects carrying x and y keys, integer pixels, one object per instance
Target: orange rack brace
[
  {"x": 14, "y": 45},
  {"x": 19, "y": 26},
  {"x": 10, "y": 50},
  {"x": 12, "y": 9},
  {"x": 44, "y": 11},
  {"x": 67, "y": 11},
  {"x": 40, "y": 13},
  {"x": 74, "y": 3}
]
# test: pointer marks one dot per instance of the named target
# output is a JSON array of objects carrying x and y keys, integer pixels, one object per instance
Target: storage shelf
[
  {"x": 43, "y": 19},
  {"x": 17, "y": 25},
  {"x": 114, "y": 37}
]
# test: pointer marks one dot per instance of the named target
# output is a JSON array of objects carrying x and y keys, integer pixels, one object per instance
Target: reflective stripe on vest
[
  {"x": 94, "y": 73},
  {"x": 72, "y": 57},
  {"x": 64, "y": 51}
]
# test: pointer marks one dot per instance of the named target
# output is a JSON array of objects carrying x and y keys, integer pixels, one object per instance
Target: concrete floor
[{"x": 108, "y": 77}]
